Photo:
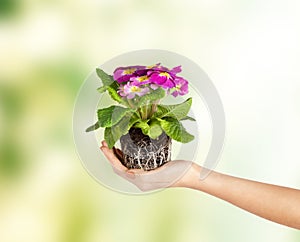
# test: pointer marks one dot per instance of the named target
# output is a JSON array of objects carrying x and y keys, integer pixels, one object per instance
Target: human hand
[{"x": 171, "y": 174}]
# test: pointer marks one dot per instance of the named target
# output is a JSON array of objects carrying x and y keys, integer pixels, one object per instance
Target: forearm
[{"x": 276, "y": 203}]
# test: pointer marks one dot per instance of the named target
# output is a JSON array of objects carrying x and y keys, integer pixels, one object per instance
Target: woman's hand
[
  {"x": 171, "y": 174},
  {"x": 275, "y": 203}
]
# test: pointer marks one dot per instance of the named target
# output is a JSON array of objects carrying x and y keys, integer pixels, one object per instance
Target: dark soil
[{"x": 142, "y": 152}]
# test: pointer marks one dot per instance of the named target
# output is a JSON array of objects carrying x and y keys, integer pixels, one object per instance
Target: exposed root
[{"x": 140, "y": 151}]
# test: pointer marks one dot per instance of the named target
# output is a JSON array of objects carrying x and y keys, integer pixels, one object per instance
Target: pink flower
[
  {"x": 123, "y": 74},
  {"x": 176, "y": 70},
  {"x": 140, "y": 80},
  {"x": 163, "y": 79},
  {"x": 154, "y": 86},
  {"x": 158, "y": 67},
  {"x": 181, "y": 87},
  {"x": 148, "y": 69},
  {"x": 130, "y": 90}
]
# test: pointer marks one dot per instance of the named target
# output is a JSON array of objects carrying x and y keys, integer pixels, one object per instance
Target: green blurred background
[{"x": 251, "y": 51}]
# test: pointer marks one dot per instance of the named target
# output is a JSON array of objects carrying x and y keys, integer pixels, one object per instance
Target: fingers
[
  {"x": 109, "y": 154},
  {"x": 115, "y": 161},
  {"x": 171, "y": 174},
  {"x": 103, "y": 142}
]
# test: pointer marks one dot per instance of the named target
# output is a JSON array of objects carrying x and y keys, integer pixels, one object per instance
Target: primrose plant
[{"x": 144, "y": 126}]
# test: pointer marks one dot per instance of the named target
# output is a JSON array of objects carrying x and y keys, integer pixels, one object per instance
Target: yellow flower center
[
  {"x": 178, "y": 87},
  {"x": 166, "y": 74},
  {"x": 142, "y": 78},
  {"x": 135, "y": 89},
  {"x": 129, "y": 71}
]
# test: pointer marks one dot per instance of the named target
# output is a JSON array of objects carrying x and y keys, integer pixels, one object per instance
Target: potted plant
[{"x": 144, "y": 126}]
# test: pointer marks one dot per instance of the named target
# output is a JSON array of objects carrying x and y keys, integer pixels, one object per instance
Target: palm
[{"x": 168, "y": 175}]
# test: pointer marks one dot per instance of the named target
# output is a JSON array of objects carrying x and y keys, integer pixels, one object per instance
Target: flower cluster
[
  {"x": 140, "y": 80},
  {"x": 139, "y": 90}
]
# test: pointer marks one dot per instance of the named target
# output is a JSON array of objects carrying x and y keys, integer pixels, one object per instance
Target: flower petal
[{"x": 176, "y": 70}]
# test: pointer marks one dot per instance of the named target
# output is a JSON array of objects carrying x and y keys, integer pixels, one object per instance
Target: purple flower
[
  {"x": 121, "y": 91},
  {"x": 130, "y": 90},
  {"x": 144, "y": 71},
  {"x": 176, "y": 70},
  {"x": 140, "y": 80},
  {"x": 123, "y": 74},
  {"x": 181, "y": 87},
  {"x": 163, "y": 79},
  {"x": 158, "y": 67}
]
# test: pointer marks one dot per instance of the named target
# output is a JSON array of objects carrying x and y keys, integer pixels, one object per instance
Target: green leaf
[
  {"x": 154, "y": 131},
  {"x": 121, "y": 127},
  {"x": 143, "y": 125},
  {"x": 109, "y": 138},
  {"x": 188, "y": 118},
  {"x": 107, "y": 117},
  {"x": 93, "y": 127},
  {"x": 154, "y": 95},
  {"x": 114, "y": 133},
  {"x": 110, "y": 85},
  {"x": 134, "y": 119},
  {"x": 106, "y": 79},
  {"x": 175, "y": 130},
  {"x": 102, "y": 89},
  {"x": 112, "y": 91},
  {"x": 114, "y": 95},
  {"x": 114, "y": 85},
  {"x": 177, "y": 111}
]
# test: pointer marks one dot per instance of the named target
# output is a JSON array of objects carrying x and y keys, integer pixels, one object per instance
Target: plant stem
[
  {"x": 154, "y": 107},
  {"x": 131, "y": 104},
  {"x": 144, "y": 112}
]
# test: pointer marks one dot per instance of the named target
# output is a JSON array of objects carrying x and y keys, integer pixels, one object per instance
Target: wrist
[{"x": 191, "y": 178}]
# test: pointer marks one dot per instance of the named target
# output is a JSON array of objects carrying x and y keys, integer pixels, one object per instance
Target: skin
[{"x": 275, "y": 203}]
